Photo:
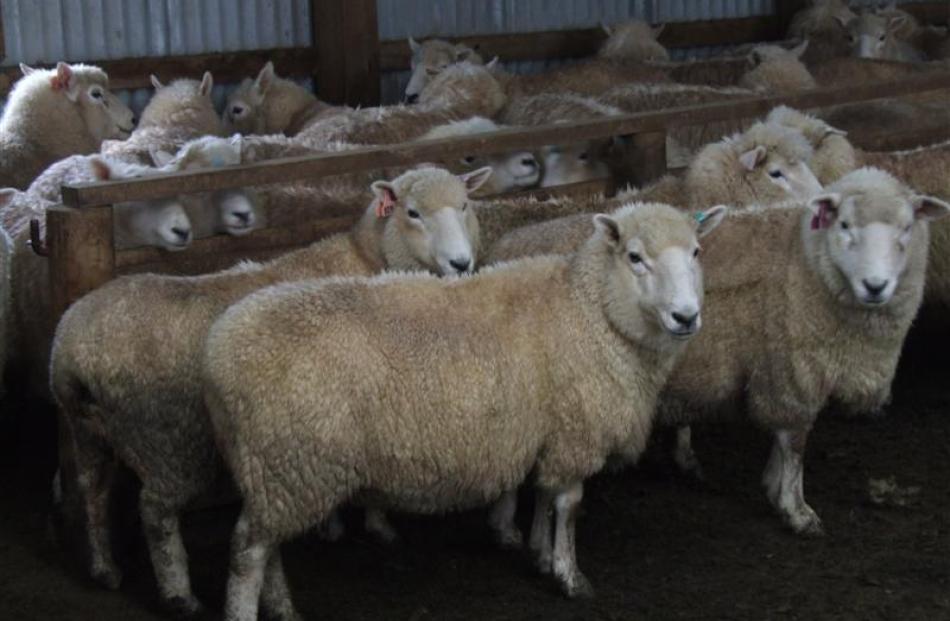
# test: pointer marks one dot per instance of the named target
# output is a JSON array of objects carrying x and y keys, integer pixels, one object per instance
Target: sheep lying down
[{"x": 433, "y": 395}]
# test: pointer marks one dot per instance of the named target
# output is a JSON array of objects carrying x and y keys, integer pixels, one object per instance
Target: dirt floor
[{"x": 654, "y": 545}]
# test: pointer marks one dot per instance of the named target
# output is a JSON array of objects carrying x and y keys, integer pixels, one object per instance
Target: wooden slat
[
  {"x": 346, "y": 37},
  {"x": 312, "y": 167}
]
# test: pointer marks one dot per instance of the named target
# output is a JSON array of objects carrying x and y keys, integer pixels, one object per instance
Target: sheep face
[
  {"x": 162, "y": 223},
  {"x": 431, "y": 58},
  {"x": 634, "y": 41},
  {"x": 244, "y": 111},
  {"x": 205, "y": 152},
  {"x": 236, "y": 212},
  {"x": 104, "y": 115},
  {"x": 430, "y": 222},
  {"x": 511, "y": 171},
  {"x": 873, "y": 36},
  {"x": 466, "y": 85},
  {"x": 868, "y": 226},
  {"x": 654, "y": 281},
  {"x": 573, "y": 163},
  {"x": 775, "y": 177}
]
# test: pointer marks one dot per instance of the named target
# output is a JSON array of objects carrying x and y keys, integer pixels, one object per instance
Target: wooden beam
[
  {"x": 375, "y": 158},
  {"x": 346, "y": 37}
]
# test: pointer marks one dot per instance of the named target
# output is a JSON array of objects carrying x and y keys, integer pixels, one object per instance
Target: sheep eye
[
  {"x": 845, "y": 226},
  {"x": 776, "y": 174},
  {"x": 96, "y": 94},
  {"x": 412, "y": 213},
  {"x": 881, "y": 38},
  {"x": 468, "y": 159},
  {"x": 635, "y": 258},
  {"x": 696, "y": 253},
  {"x": 582, "y": 157},
  {"x": 237, "y": 110}
]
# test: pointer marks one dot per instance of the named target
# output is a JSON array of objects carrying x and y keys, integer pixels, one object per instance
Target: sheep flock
[{"x": 461, "y": 342}]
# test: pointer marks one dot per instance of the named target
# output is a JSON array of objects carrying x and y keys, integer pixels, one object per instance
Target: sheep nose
[
  {"x": 686, "y": 321},
  {"x": 243, "y": 216},
  {"x": 460, "y": 265},
  {"x": 874, "y": 287},
  {"x": 180, "y": 233},
  {"x": 530, "y": 162},
  {"x": 135, "y": 121},
  {"x": 411, "y": 99}
]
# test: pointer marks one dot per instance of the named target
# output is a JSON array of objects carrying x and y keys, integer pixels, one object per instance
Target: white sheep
[
  {"x": 432, "y": 396},
  {"x": 144, "y": 399},
  {"x": 177, "y": 113},
  {"x": 873, "y": 35},
  {"x": 432, "y": 57},
  {"x": 833, "y": 156},
  {"x": 815, "y": 307},
  {"x": 55, "y": 113},
  {"x": 510, "y": 171},
  {"x": 269, "y": 104}
]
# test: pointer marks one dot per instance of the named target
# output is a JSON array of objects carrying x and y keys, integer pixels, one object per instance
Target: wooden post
[
  {"x": 81, "y": 258},
  {"x": 346, "y": 36},
  {"x": 643, "y": 160}
]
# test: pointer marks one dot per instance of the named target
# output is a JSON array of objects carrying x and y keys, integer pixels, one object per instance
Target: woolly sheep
[
  {"x": 875, "y": 36},
  {"x": 510, "y": 171},
  {"x": 633, "y": 41},
  {"x": 269, "y": 104},
  {"x": 52, "y": 114},
  {"x": 765, "y": 164},
  {"x": 824, "y": 24},
  {"x": 432, "y": 57},
  {"x": 932, "y": 41},
  {"x": 778, "y": 71},
  {"x": 815, "y": 308},
  {"x": 627, "y": 325},
  {"x": 833, "y": 156},
  {"x": 144, "y": 399},
  {"x": 177, "y": 113}
]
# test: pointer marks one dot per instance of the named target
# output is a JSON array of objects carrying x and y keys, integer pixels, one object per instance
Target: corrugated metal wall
[{"x": 48, "y": 30}]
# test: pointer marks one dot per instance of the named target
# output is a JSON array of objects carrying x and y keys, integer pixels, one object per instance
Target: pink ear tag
[
  {"x": 385, "y": 204},
  {"x": 820, "y": 219}
]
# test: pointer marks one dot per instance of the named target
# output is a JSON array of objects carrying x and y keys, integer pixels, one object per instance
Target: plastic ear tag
[
  {"x": 385, "y": 205},
  {"x": 700, "y": 217}
]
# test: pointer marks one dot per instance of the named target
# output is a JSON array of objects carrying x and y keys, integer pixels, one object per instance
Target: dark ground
[{"x": 653, "y": 545}]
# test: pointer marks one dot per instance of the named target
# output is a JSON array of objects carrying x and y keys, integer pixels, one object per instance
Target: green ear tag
[{"x": 700, "y": 216}]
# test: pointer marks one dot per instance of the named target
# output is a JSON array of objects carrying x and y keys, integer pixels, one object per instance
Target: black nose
[
  {"x": 182, "y": 234},
  {"x": 875, "y": 288},
  {"x": 684, "y": 320},
  {"x": 243, "y": 216},
  {"x": 135, "y": 120},
  {"x": 412, "y": 98},
  {"x": 530, "y": 162},
  {"x": 460, "y": 265}
]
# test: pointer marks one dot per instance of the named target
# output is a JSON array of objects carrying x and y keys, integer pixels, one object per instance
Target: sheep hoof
[
  {"x": 544, "y": 563},
  {"x": 183, "y": 606},
  {"x": 577, "y": 586},
  {"x": 109, "y": 577},
  {"x": 807, "y": 524},
  {"x": 509, "y": 539}
]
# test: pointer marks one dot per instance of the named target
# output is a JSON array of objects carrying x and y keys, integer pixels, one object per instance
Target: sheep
[
  {"x": 824, "y": 24},
  {"x": 152, "y": 416},
  {"x": 633, "y": 41},
  {"x": 778, "y": 71},
  {"x": 459, "y": 92},
  {"x": 479, "y": 337},
  {"x": 432, "y": 57},
  {"x": 510, "y": 171},
  {"x": 833, "y": 156},
  {"x": 816, "y": 308},
  {"x": 765, "y": 164},
  {"x": 52, "y": 114},
  {"x": 270, "y": 104},
  {"x": 177, "y": 113},
  {"x": 873, "y": 35},
  {"x": 6, "y": 252}
]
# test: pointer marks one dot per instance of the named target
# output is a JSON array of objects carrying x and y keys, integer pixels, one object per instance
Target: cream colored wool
[
  {"x": 778, "y": 71},
  {"x": 143, "y": 400},
  {"x": 875, "y": 35},
  {"x": 715, "y": 176},
  {"x": 270, "y": 104},
  {"x": 177, "y": 113},
  {"x": 407, "y": 410},
  {"x": 53, "y": 113},
  {"x": 833, "y": 157},
  {"x": 432, "y": 57},
  {"x": 633, "y": 41},
  {"x": 784, "y": 331}
]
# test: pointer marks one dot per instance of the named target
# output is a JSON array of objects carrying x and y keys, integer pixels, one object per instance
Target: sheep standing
[
  {"x": 52, "y": 114},
  {"x": 177, "y": 113},
  {"x": 143, "y": 400},
  {"x": 414, "y": 372},
  {"x": 432, "y": 57},
  {"x": 270, "y": 104},
  {"x": 815, "y": 308}
]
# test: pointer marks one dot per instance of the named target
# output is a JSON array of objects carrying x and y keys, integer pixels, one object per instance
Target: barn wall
[{"x": 48, "y": 30}]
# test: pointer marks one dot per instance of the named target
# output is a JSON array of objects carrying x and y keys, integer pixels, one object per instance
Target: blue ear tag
[
  {"x": 700, "y": 216},
  {"x": 217, "y": 162}
]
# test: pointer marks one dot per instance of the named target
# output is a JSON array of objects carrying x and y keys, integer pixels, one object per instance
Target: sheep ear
[
  {"x": 414, "y": 45},
  {"x": 101, "y": 170},
  {"x": 834, "y": 131},
  {"x": 708, "y": 220},
  {"x": 64, "y": 80},
  {"x": 896, "y": 22},
  {"x": 25, "y": 69},
  {"x": 658, "y": 30},
  {"x": 929, "y": 208},
  {"x": 159, "y": 157},
  {"x": 492, "y": 63},
  {"x": 609, "y": 228},
  {"x": 824, "y": 209},
  {"x": 844, "y": 19},
  {"x": 476, "y": 178},
  {"x": 607, "y": 29},
  {"x": 386, "y": 198},
  {"x": 207, "y": 83},
  {"x": 799, "y": 50},
  {"x": 264, "y": 79},
  {"x": 463, "y": 52},
  {"x": 7, "y": 195},
  {"x": 752, "y": 158},
  {"x": 156, "y": 83}
]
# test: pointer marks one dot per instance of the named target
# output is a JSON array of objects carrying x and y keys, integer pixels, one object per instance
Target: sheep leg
[
  {"x": 540, "y": 540},
  {"x": 167, "y": 550},
  {"x": 566, "y": 505},
  {"x": 791, "y": 498},
  {"x": 276, "y": 603},
  {"x": 249, "y": 558},
  {"x": 378, "y": 524},
  {"x": 684, "y": 456},
  {"x": 502, "y": 520},
  {"x": 95, "y": 474},
  {"x": 772, "y": 477}
]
